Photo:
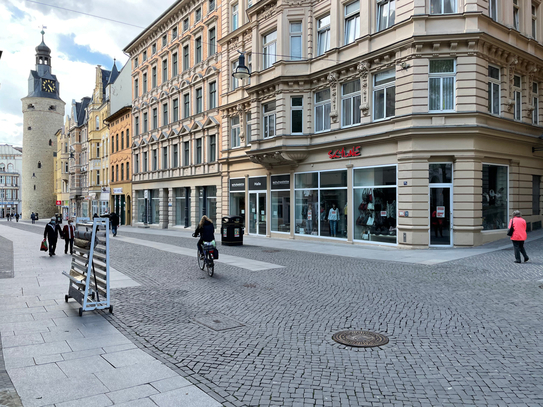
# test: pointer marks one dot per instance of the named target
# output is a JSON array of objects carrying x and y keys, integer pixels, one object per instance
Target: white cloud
[{"x": 21, "y": 23}]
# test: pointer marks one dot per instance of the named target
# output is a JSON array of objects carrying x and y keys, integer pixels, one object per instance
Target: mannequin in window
[{"x": 333, "y": 218}]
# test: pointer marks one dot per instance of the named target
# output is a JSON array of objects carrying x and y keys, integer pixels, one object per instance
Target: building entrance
[{"x": 257, "y": 213}]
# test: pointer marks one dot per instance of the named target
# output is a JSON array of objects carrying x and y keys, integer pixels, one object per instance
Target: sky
[{"x": 78, "y": 43}]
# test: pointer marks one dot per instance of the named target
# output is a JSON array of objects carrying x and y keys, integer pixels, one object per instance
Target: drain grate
[
  {"x": 270, "y": 251},
  {"x": 361, "y": 339},
  {"x": 217, "y": 322}
]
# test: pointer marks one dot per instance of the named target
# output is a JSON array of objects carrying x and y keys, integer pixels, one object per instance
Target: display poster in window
[
  {"x": 384, "y": 213},
  {"x": 440, "y": 212}
]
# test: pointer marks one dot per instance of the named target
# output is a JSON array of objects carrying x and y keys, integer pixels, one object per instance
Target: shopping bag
[{"x": 43, "y": 246}]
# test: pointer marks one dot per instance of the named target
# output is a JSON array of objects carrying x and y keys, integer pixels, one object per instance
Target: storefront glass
[
  {"x": 182, "y": 206},
  {"x": 374, "y": 197},
  {"x": 141, "y": 217},
  {"x": 212, "y": 204},
  {"x": 85, "y": 209},
  {"x": 237, "y": 204},
  {"x": 280, "y": 203},
  {"x": 155, "y": 206},
  {"x": 495, "y": 194}
]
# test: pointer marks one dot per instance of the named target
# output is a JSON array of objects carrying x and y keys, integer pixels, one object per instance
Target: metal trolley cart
[{"x": 89, "y": 270}]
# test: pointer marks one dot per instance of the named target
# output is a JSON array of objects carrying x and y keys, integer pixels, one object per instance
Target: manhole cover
[
  {"x": 217, "y": 322},
  {"x": 363, "y": 339}
]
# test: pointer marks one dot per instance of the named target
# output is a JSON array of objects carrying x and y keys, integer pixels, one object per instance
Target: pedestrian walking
[
  {"x": 114, "y": 219},
  {"x": 69, "y": 234},
  {"x": 17, "y": 217},
  {"x": 8, "y": 216},
  {"x": 51, "y": 232},
  {"x": 519, "y": 236},
  {"x": 33, "y": 217}
]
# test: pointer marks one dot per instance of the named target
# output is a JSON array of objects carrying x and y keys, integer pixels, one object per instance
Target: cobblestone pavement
[{"x": 461, "y": 333}]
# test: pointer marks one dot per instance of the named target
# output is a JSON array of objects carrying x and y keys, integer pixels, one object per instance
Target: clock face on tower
[{"x": 48, "y": 85}]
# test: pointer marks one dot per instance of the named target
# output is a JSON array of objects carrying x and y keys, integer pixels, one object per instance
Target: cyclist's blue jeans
[{"x": 199, "y": 245}]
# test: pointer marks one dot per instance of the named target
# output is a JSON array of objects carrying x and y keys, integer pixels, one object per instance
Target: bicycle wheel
[
  {"x": 210, "y": 264},
  {"x": 201, "y": 261}
]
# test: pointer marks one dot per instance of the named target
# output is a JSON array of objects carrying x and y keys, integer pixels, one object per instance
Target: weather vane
[{"x": 43, "y": 27}]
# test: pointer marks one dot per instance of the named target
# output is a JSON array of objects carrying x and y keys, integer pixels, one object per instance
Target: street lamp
[{"x": 241, "y": 72}]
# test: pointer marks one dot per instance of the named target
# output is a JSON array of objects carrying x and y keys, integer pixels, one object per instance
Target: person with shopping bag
[{"x": 51, "y": 232}]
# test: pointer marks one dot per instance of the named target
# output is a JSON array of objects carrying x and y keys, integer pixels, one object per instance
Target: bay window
[
  {"x": 350, "y": 103},
  {"x": 386, "y": 11},
  {"x": 323, "y": 35},
  {"x": 493, "y": 90},
  {"x": 268, "y": 110},
  {"x": 322, "y": 110},
  {"x": 269, "y": 49},
  {"x": 442, "y": 80},
  {"x": 296, "y": 114},
  {"x": 442, "y": 6},
  {"x": 234, "y": 131},
  {"x": 384, "y": 94},
  {"x": 296, "y": 41}
]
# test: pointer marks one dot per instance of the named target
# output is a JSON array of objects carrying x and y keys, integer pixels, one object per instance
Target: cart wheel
[
  {"x": 93, "y": 295},
  {"x": 111, "y": 309},
  {"x": 80, "y": 312},
  {"x": 66, "y": 298}
]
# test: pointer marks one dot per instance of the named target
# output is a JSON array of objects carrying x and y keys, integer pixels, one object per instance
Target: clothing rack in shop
[{"x": 89, "y": 270}]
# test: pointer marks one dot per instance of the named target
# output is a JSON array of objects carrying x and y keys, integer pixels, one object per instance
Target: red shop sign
[
  {"x": 59, "y": 203},
  {"x": 353, "y": 152}
]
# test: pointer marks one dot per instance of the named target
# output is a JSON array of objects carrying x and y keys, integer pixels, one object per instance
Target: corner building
[
  {"x": 410, "y": 123},
  {"x": 175, "y": 149}
]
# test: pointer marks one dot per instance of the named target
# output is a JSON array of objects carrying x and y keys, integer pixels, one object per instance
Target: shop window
[
  {"x": 535, "y": 112},
  {"x": 442, "y": 6},
  {"x": 155, "y": 206},
  {"x": 280, "y": 203},
  {"x": 442, "y": 78},
  {"x": 350, "y": 103},
  {"x": 235, "y": 131},
  {"x": 322, "y": 110},
  {"x": 352, "y": 22},
  {"x": 374, "y": 200},
  {"x": 268, "y": 111},
  {"x": 536, "y": 195},
  {"x": 494, "y": 90},
  {"x": 386, "y": 11},
  {"x": 495, "y": 196},
  {"x": 269, "y": 50},
  {"x": 517, "y": 97},
  {"x": 384, "y": 94},
  {"x": 296, "y": 114},
  {"x": 182, "y": 206},
  {"x": 296, "y": 41},
  {"x": 237, "y": 198},
  {"x": 323, "y": 35}
]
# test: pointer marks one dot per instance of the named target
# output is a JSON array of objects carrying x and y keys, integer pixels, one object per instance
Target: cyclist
[{"x": 205, "y": 230}]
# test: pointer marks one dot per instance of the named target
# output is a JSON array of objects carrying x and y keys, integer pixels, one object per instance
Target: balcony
[{"x": 279, "y": 151}]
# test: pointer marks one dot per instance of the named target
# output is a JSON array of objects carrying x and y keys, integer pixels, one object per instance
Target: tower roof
[{"x": 42, "y": 48}]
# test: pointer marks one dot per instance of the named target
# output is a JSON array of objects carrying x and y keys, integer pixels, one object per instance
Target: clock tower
[{"x": 43, "y": 116}]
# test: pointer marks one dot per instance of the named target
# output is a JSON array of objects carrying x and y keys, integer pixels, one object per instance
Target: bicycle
[{"x": 207, "y": 260}]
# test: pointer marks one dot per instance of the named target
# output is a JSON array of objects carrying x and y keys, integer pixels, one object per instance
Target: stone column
[{"x": 171, "y": 209}]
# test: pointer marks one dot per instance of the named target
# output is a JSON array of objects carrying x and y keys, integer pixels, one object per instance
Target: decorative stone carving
[
  {"x": 333, "y": 81},
  {"x": 363, "y": 71}
]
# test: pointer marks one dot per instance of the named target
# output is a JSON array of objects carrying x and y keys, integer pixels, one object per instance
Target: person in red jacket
[{"x": 519, "y": 236}]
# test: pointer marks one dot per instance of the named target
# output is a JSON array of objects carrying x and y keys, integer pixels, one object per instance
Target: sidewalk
[{"x": 56, "y": 358}]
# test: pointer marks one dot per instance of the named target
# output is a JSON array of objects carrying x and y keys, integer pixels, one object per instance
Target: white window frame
[
  {"x": 494, "y": 85},
  {"x": 198, "y": 15},
  {"x": 212, "y": 102},
  {"x": 267, "y": 119},
  {"x": 323, "y": 35},
  {"x": 212, "y": 41},
  {"x": 493, "y": 9},
  {"x": 198, "y": 151},
  {"x": 199, "y": 100},
  {"x": 441, "y": 4},
  {"x": 295, "y": 36},
  {"x": 534, "y": 20},
  {"x": 386, "y": 12},
  {"x": 517, "y": 98},
  {"x": 235, "y": 16},
  {"x": 535, "y": 100},
  {"x": 198, "y": 50},
  {"x": 351, "y": 18},
  {"x": 516, "y": 15},
  {"x": 296, "y": 109},
  {"x": 321, "y": 106},
  {"x": 269, "y": 49},
  {"x": 186, "y": 110},
  {"x": 355, "y": 107},
  {"x": 383, "y": 88},
  {"x": 441, "y": 76},
  {"x": 235, "y": 129}
]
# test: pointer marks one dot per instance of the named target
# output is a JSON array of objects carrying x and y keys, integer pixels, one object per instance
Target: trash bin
[{"x": 232, "y": 231}]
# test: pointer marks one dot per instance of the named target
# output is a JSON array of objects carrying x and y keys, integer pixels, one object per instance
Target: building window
[
  {"x": 248, "y": 127},
  {"x": 66, "y": 169},
  {"x": 516, "y": 15},
  {"x": 186, "y": 105},
  {"x": 155, "y": 159},
  {"x": 235, "y": 129},
  {"x": 198, "y": 50},
  {"x": 153, "y": 49},
  {"x": 97, "y": 177},
  {"x": 442, "y": 84},
  {"x": 211, "y": 42},
  {"x": 164, "y": 40},
  {"x": 153, "y": 80},
  {"x": 174, "y": 64},
  {"x": 536, "y": 195},
  {"x": 494, "y": 90},
  {"x": 296, "y": 41},
  {"x": 164, "y": 158},
  {"x": 442, "y": 6},
  {"x": 127, "y": 138},
  {"x": 493, "y": 9},
  {"x": 235, "y": 81},
  {"x": 116, "y": 173},
  {"x": 211, "y": 6},
  {"x": 164, "y": 114},
  {"x": 268, "y": 111},
  {"x": 534, "y": 21},
  {"x": 269, "y": 49},
  {"x": 386, "y": 11},
  {"x": 136, "y": 88},
  {"x": 155, "y": 118},
  {"x": 122, "y": 140},
  {"x": 164, "y": 70},
  {"x": 136, "y": 61},
  {"x": 249, "y": 63},
  {"x": 352, "y": 22},
  {"x": 322, "y": 110},
  {"x": 144, "y": 90},
  {"x": 145, "y": 126},
  {"x": 185, "y": 24},
  {"x": 144, "y": 56},
  {"x": 174, "y": 33},
  {"x": 212, "y": 148},
  {"x": 128, "y": 171},
  {"x": 235, "y": 17},
  {"x": 185, "y": 57},
  {"x": 350, "y": 103},
  {"x": 495, "y": 197},
  {"x": 323, "y": 39},
  {"x": 297, "y": 114},
  {"x": 117, "y": 142},
  {"x": 122, "y": 172},
  {"x": 199, "y": 104},
  {"x": 137, "y": 125},
  {"x": 199, "y": 151},
  {"x": 175, "y": 110},
  {"x": 212, "y": 95},
  {"x": 175, "y": 156},
  {"x": 198, "y": 14},
  {"x": 186, "y": 158},
  {"x": 384, "y": 94},
  {"x": 97, "y": 123},
  {"x": 535, "y": 112},
  {"x": 517, "y": 94},
  {"x": 145, "y": 162}
]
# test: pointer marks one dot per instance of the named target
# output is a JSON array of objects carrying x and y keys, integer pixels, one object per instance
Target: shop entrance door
[
  {"x": 440, "y": 216},
  {"x": 257, "y": 213}
]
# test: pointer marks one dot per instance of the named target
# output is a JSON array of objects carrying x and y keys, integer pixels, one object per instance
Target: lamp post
[{"x": 241, "y": 72}]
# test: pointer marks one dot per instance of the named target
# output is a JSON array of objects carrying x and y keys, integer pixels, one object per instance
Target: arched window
[
  {"x": 2, "y": 167},
  {"x": 39, "y": 164},
  {"x": 10, "y": 167}
]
